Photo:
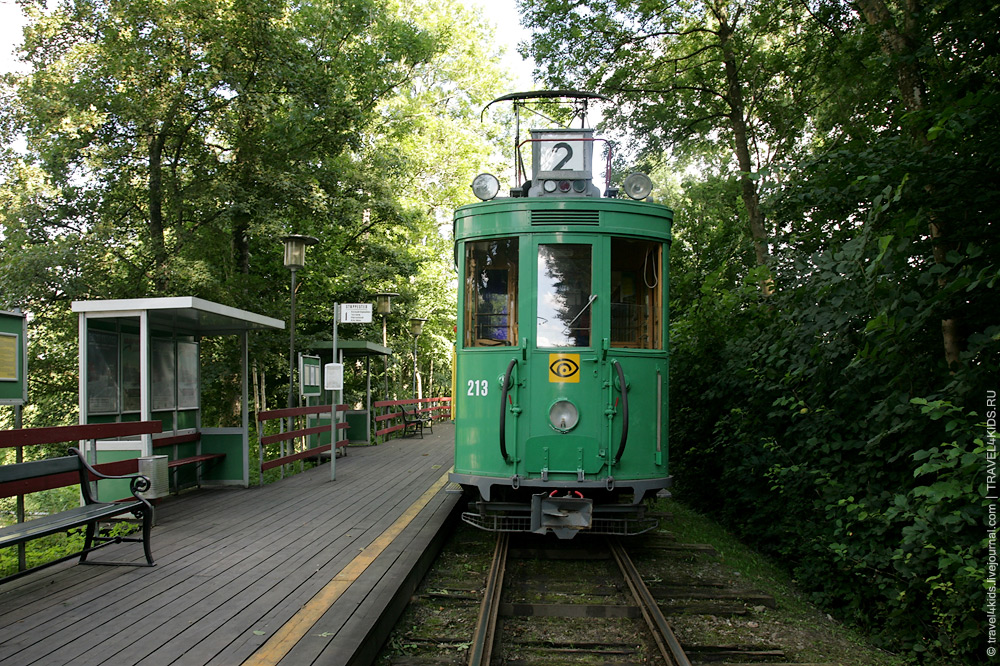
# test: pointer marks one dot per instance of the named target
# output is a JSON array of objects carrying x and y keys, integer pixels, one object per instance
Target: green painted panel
[
  {"x": 187, "y": 419},
  {"x": 109, "y": 491},
  {"x": 229, "y": 468},
  {"x": 357, "y": 432}
]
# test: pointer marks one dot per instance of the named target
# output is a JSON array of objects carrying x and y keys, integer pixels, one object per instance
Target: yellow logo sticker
[{"x": 564, "y": 368}]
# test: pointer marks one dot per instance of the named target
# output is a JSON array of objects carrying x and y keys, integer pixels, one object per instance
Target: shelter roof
[
  {"x": 184, "y": 314},
  {"x": 353, "y": 348}
]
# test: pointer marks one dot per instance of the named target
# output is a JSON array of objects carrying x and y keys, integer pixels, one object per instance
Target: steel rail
[
  {"x": 664, "y": 636},
  {"x": 481, "y": 650}
]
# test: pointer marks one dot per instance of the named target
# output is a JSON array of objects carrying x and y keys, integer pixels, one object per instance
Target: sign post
[{"x": 333, "y": 407}]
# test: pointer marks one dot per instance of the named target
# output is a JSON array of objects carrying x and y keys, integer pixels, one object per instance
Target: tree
[
  {"x": 169, "y": 145},
  {"x": 689, "y": 78},
  {"x": 845, "y": 442}
]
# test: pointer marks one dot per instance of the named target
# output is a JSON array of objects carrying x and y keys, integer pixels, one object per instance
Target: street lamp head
[
  {"x": 295, "y": 249},
  {"x": 383, "y": 302},
  {"x": 416, "y": 325}
]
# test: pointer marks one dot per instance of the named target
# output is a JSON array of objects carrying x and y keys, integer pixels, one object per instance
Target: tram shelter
[
  {"x": 140, "y": 361},
  {"x": 360, "y": 420}
]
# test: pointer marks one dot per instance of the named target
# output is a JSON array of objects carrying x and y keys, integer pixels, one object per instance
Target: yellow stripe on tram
[{"x": 283, "y": 640}]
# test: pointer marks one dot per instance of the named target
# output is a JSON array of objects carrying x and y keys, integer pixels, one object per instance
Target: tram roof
[{"x": 186, "y": 314}]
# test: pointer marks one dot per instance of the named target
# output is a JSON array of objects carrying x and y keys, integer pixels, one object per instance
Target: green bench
[{"x": 23, "y": 478}]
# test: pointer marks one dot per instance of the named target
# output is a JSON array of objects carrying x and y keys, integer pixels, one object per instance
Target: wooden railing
[
  {"x": 389, "y": 413},
  {"x": 295, "y": 440}
]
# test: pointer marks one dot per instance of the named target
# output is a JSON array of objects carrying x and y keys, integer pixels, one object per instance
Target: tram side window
[
  {"x": 636, "y": 294},
  {"x": 491, "y": 293}
]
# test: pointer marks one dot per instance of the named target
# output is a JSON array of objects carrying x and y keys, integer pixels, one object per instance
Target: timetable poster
[{"x": 8, "y": 357}]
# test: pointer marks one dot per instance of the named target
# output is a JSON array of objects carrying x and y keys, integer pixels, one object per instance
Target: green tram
[{"x": 562, "y": 364}]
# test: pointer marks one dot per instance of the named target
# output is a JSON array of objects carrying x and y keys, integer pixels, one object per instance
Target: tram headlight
[
  {"x": 563, "y": 415},
  {"x": 637, "y": 185},
  {"x": 485, "y": 186}
]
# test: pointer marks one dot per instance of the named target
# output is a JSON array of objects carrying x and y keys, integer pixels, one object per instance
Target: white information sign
[
  {"x": 355, "y": 313},
  {"x": 334, "y": 377}
]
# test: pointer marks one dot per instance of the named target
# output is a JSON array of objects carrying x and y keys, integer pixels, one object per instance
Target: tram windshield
[
  {"x": 636, "y": 294},
  {"x": 491, "y": 293},
  {"x": 564, "y": 295}
]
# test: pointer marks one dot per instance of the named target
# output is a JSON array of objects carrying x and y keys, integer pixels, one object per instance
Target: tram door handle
[
  {"x": 624, "y": 393},
  {"x": 503, "y": 409}
]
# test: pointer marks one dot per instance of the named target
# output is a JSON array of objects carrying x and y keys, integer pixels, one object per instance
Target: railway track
[
  {"x": 488, "y": 641},
  {"x": 527, "y": 600}
]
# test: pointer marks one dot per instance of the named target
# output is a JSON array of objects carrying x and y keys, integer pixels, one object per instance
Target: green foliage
[
  {"x": 825, "y": 423},
  {"x": 807, "y": 419},
  {"x": 168, "y": 147},
  {"x": 929, "y": 569},
  {"x": 40, "y": 551}
]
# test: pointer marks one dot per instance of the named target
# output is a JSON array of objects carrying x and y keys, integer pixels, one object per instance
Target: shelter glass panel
[
  {"x": 187, "y": 375},
  {"x": 636, "y": 294},
  {"x": 102, "y": 372},
  {"x": 491, "y": 293},
  {"x": 564, "y": 295},
  {"x": 131, "y": 373},
  {"x": 164, "y": 375}
]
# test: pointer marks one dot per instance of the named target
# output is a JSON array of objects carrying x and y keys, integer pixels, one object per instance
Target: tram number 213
[{"x": 478, "y": 387}]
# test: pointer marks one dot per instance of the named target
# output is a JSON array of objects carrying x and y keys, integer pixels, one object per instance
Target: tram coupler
[{"x": 564, "y": 516}]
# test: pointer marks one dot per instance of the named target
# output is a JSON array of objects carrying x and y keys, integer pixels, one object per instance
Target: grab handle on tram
[
  {"x": 503, "y": 409},
  {"x": 624, "y": 391}
]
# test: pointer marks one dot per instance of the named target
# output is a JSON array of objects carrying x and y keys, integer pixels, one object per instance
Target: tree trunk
[
  {"x": 737, "y": 120},
  {"x": 900, "y": 45},
  {"x": 156, "y": 143}
]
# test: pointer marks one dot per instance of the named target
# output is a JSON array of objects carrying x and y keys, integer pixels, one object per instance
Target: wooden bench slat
[
  {"x": 63, "y": 521},
  {"x": 176, "y": 439},
  {"x": 180, "y": 462},
  {"x": 26, "y": 486}
]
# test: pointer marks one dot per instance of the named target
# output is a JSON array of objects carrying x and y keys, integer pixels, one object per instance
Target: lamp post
[
  {"x": 416, "y": 325},
  {"x": 383, "y": 306},
  {"x": 295, "y": 258}
]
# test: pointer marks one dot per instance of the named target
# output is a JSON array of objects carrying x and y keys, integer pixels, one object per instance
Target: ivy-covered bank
[
  {"x": 835, "y": 278},
  {"x": 823, "y": 425}
]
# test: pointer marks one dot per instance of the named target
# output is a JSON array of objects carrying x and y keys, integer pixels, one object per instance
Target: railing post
[{"x": 260, "y": 453}]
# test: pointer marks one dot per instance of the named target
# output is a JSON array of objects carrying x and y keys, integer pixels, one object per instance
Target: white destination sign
[{"x": 355, "y": 313}]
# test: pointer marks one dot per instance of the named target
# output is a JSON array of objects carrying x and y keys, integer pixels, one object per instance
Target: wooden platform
[{"x": 291, "y": 573}]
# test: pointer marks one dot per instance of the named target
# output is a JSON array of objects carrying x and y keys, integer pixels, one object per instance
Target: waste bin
[{"x": 154, "y": 468}]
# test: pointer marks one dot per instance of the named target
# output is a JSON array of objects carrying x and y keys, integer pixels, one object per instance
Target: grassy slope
[{"x": 814, "y": 635}]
